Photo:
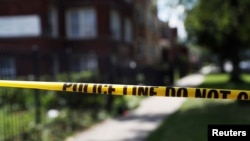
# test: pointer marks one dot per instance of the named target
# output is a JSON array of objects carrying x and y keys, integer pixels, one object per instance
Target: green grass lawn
[{"x": 190, "y": 122}]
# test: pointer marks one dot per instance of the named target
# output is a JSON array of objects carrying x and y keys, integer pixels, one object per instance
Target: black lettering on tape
[
  {"x": 213, "y": 94},
  {"x": 134, "y": 90},
  {"x": 200, "y": 94},
  {"x": 182, "y": 92},
  {"x": 176, "y": 92},
  {"x": 143, "y": 91},
  {"x": 66, "y": 86},
  {"x": 85, "y": 88},
  {"x": 242, "y": 96},
  {"x": 225, "y": 93},
  {"x": 152, "y": 91},
  {"x": 111, "y": 89},
  {"x": 99, "y": 89},
  {"x": 170, "y": 91},
  {"x": 80, "y": 87},
  {"x": 125, "y": 90},
  {"x": 94, "y": 88},
  {"x": 105, "y": 92},
  {"x": 74, "y": 87}
]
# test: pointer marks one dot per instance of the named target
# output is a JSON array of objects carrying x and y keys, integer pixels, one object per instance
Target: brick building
[
  {"x": 59, "y": 36},
  {"x": 147, "y": 33}
]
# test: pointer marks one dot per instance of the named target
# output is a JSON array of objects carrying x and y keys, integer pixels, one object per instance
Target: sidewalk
[{"x": 137, "y": 125}]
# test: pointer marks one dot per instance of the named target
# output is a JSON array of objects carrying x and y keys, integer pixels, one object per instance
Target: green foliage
[
  {"x": 221, "y": 81},
  {"x": 16, "y": 99},
  {"x": 76, "y": 111},
  {"x": 191, "y": 121},
  {"x": 212, "y": 23},
  {"x": 223, "y": 26},
  {"x": 68, "y": 121},
  {"x": 197, "y": 114},
  {"x": 57, "y": 100},
  {"x": 11, "y": 125}
]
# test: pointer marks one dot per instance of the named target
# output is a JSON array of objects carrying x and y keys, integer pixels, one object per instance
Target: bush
[{"x": 77, "y": 111}]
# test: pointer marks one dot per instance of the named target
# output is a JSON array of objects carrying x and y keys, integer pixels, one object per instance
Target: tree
[{"x": 223, "y": 26}]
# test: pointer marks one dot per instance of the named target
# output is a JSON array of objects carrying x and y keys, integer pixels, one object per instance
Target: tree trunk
[
  {"x": 234, "y": 55},
  {"x": 221, "y": 62}
]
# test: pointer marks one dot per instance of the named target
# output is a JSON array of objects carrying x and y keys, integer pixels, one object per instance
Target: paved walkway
[
  {"x": 191, "y": 80},
  {"x": 139, "y": 123}
]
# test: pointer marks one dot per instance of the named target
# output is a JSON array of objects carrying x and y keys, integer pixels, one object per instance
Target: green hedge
[{"x": 75, "y": 111}]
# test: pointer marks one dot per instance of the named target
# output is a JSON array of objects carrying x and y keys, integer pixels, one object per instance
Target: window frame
[
  {"x": 115, "y": 25},
  {"x": 128, "y": 30},
  {"x": 53, "y": 21},
  {"x": 84, "y": 33}
]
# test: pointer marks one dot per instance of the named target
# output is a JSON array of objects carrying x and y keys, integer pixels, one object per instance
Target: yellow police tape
[{"x": 136, "y": 90}]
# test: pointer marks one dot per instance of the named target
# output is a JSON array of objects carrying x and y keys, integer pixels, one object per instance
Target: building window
[
  {"x": 139, "y": 14},
  {"x": 74, "y": 24},
  {"x": 81, "y": 23},
  {"x": 128, "y": 31},
  {"x": 7, "y": 68},
  {"x": 53, "y": 24},
  {"x": 115, "y": 25},
  {"x": 20, "y": 26},
  {"x": 140, "y": 47}
]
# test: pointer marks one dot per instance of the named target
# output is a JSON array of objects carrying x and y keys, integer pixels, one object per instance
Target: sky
[{"x": 173, "y": 13}]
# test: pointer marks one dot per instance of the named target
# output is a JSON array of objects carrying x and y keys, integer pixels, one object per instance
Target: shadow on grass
[
  {"x": 227, "y": 85},
  {"x": 231, "y": 86},
  {"x": 191, "y": 121},
  {"x": 191, "y": 124},
  {"x": 145, "y": 120}
]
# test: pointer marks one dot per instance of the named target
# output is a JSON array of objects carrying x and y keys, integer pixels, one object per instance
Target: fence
[
  {"x": 35, "y": 115},
  {"x": 18, "y": 107}
]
